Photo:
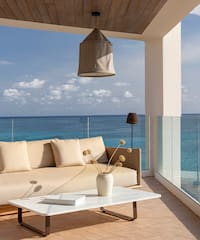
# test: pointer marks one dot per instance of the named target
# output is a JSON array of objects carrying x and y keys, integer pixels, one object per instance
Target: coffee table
[{"x": 120, "y": 195}]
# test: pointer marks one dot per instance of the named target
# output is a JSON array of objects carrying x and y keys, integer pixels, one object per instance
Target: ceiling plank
[
  {"x": 130, "y": 16},
  {"x": 13, "y": 6},
  {"x": 42, "y": 9},
  {"x": 51, "y": 8},
  {"x": 23, "y": 6},
  {"x": 35, "y": 10}
]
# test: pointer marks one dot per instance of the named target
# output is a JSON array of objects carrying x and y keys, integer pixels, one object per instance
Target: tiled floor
[{"x": 165, "y": 218}]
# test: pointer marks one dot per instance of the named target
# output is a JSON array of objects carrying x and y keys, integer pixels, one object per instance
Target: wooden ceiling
[{"x": 129, "y": 16}]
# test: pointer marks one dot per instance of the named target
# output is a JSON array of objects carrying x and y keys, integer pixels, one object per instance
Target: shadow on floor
[{"x": 11, "y": 230}]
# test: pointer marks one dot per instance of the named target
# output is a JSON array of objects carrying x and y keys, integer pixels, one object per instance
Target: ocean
[{"x": 112, "y": 128}]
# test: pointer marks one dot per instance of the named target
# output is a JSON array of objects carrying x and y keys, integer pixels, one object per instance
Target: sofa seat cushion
[
  {"x": 53, "y": 180},
  {"x": 14, "y": 157},
  {"x": 97, "y": 148},
  {"x": 40, "y": 153},
  {"x": 67, "y": 152}
]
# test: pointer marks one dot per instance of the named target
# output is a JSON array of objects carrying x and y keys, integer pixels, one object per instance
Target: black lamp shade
[{"x": 132, "y": 118}]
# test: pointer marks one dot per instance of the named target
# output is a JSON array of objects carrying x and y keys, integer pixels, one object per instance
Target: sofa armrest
[{"x": 133, "y": 159}]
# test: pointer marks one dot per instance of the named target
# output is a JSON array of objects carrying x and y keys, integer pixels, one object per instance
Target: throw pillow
[
  {"x": 40, "y": 153},
  {"x": 97, "y": 148},
  {"x": 67, "y": 152},
  {"x": 14, "y": 157}
]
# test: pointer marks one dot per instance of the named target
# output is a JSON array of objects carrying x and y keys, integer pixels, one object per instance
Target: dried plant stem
[
  {"x": 113, "y": 154},
  {"x": 109, "y": 162},
  {"x": 112, "y": 168},
  {"x": 109, "y": 168},
  {"x": 99, "y": 169}
]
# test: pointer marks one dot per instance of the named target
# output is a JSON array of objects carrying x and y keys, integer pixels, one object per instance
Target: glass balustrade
[
  {"x": 111, "y": 128},
  {"x": 178, "y": 152}
]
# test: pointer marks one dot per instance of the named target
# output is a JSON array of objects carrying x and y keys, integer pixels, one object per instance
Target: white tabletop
[{"x": 120, "y": 195}]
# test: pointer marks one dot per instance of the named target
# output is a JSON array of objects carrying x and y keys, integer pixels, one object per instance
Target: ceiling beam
[{"x": 168, "y": 17}]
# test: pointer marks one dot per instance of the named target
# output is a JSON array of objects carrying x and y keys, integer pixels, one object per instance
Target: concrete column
[{"x": 163, "y": 103}]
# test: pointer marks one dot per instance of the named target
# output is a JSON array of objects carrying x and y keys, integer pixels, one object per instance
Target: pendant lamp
[{"x": 95, "y": 55}]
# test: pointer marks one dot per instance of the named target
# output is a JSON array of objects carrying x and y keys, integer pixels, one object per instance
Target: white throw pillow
[
  {"x": 14, "y": 157},
  {"x": 67, "y": 152}
]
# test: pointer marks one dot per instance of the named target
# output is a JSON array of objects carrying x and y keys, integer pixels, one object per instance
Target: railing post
[
  {"x": 88, "y": 126},
  {"x": 12, "y": 130}
]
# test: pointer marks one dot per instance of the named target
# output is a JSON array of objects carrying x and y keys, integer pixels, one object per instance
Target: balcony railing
[
  {"x": 112, "y": 128},
  {"x": 190, "y": 152},
  {"x": 178, "y": 152}
]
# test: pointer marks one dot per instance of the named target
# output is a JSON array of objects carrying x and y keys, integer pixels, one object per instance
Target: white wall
[{"x": 163, "y": 103}]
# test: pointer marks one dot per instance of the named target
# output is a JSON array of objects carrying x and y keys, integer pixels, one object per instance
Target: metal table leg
[
  {"x": 26, "y": 225},
  {"x": 115, "y": 214}
]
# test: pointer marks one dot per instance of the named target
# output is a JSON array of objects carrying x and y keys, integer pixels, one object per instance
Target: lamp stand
[{"x": 131, "y": 135}]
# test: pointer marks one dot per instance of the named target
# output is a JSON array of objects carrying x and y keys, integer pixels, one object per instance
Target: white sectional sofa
[{"x": 54, "y": 166}]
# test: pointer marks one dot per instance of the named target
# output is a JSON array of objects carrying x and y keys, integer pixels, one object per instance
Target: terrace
[
  {"x": 165, "y": 218},
  {"x": 146, "y": 21}
]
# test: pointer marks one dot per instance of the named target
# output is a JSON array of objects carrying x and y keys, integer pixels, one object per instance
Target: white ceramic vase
[{"x": 104, "y": 183}]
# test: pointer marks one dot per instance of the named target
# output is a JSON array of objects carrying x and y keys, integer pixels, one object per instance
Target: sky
[{"x": 39, "y": 74}]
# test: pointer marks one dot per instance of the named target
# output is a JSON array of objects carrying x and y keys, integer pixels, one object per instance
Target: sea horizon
[{"x": 82, "y": 115}]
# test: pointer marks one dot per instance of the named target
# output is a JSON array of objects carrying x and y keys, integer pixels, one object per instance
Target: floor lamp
[{"x": 132, "y": 119}]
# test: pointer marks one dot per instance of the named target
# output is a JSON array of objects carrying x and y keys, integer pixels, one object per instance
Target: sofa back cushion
[
  {"x": 14, "y": 157},
  {"x": 40, "y": 153},
  {"x": 67, "y": 152},
  {"x": 97, "y": 148}
]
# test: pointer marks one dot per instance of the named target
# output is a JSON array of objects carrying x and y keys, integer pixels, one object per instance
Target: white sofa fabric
[
  {"x": 45, "y": 178},
  {"x": 52, "y": 180}
]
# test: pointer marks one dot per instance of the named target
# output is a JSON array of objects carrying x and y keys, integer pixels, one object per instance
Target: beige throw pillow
[
  {"x": 67, "y": 152},
  {"x": 97, "y": 148},
  {"x": 14, "y": 157},
  {"x": 40, "y": 153}
]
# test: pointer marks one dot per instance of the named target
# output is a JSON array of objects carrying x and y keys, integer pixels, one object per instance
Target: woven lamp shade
[
  {"x": 132, "y": 118},
  {"x": 95, "y": 56}
]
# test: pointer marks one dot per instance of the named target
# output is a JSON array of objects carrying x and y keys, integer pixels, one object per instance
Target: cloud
[
  {"x": 102, "y": 93},
  {"x": 72, "y": 80},
  {"x": 84, "y": 100},
  {"x": 69, "y": 87},
  {"x": 13, "y": 94},
  {"x": 36, "y": 83},
  {"x": 184, "y": 89},
  {"x": 5, "y": 62},
  {"x": 196, "y": 11},
  {"x": 128, "y": 94},
  {"x": 98, "y": 100},
  {"x": 121, "y": 84},
  {"x": 115, "y": 100},
  {"x": 55, "y": 94},
  {"x": 85, "y": 80},
  {"x": 73, "y": 74},
  {"x": 61, "y": 91}
]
